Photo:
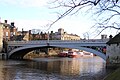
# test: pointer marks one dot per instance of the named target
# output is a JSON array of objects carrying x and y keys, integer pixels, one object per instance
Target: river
[{"x": 54, "y": 68}]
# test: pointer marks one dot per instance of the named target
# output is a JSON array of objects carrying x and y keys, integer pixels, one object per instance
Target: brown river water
[{"x": 54, "y": 68}]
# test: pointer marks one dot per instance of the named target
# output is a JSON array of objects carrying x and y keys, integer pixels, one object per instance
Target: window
[
  {"x": 6, "y": 33},
  {"x": 13, "y": 33}
]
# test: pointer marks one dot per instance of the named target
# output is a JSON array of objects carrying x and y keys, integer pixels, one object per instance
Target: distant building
[
  {"x": 1, "y": 37},
  {"x": 24, "y": 35},
  {"x": 113, "y": 49},
  {"x": 61, "y": 35},
  {"x": 104, "y": 36},
  {"x": 9, "y": 31}
]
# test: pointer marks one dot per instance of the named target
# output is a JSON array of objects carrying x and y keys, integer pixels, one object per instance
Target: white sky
[{"x": 34, "y": 14}]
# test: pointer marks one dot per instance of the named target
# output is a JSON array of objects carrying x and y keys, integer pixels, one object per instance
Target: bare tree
[
  {"x": 86, "y": 35},
  {"x": 107, "y": 11}
]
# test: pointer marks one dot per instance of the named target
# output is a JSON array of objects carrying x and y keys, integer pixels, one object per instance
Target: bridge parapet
[{"x": 99, "y": 41}]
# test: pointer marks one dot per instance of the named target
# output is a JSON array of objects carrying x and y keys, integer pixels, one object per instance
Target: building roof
[
  {"x": 7, "y": 25},
  {"x": 19, "y": 37},
  {"x": 114, "y": 40}
]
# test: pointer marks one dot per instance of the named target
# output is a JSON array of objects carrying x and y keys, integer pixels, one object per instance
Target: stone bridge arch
[
  {"x": 18, "y": 53},
  {"x": 100, "y": 54},
  {"x": 21, "y": 51}
]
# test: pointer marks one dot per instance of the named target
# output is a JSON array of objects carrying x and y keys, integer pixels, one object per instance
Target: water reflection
[
  {"x": 52, "y": 69},
  {"x": 62, "y": 66},
  {"x": 6, "y": 71},
  {"x": 71, "y": 66}
]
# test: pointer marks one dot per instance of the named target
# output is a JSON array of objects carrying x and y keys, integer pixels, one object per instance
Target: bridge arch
[
  {"x": 17, "y": 52},
  {"x": 21, "y": 51},
  {"x": 100, "y": 54}
]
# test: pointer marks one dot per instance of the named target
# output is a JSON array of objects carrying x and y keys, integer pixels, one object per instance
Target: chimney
[
  {"x": 51, "y": 32},
  {"x": 12, "y": 24},
  {"x": 22, "y": 29},
  {"x": 29, "y": 31},
  {"x": 6, "y": 21},
  {"x": 104, "y": 36},
  {"x": 110, "y": 37}
]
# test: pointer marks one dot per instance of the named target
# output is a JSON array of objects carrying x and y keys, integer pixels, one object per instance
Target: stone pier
[{"x": 3, "y": 56}]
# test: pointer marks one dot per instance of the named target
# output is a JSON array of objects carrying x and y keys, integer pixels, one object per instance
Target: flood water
[{"x": 54, "y": 69}]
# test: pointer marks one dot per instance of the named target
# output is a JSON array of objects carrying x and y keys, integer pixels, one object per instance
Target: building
[
  {"x": 113, "y": 49},
  {"x": 9, "y": 31},
  {"x": 103, "y": 36},
  {"x": 23, "y": 35},
  {"x": 62, "y": 35},
  {"x": 1, "y": 37}
]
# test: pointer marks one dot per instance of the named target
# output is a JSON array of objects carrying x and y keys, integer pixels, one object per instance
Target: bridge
[{"x": 94, "y": 46}]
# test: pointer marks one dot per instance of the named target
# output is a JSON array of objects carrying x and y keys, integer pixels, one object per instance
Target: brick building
[
  {"x": 62, "y": 35},
  {"x": 9, "y": 31},
  {"x": 1, "y": 37}
]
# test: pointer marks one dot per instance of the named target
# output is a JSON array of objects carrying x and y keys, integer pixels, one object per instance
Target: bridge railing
[{"x": 56, "y": 41}]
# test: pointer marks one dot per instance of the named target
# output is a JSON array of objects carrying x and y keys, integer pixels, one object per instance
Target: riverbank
[{"x": 114, "y": 75}]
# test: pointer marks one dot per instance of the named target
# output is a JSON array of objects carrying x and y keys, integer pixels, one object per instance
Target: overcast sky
[{"x": 35, "y": 14}]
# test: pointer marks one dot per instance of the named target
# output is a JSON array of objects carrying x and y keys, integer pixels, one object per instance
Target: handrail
[{"x": 58, "y": 41}]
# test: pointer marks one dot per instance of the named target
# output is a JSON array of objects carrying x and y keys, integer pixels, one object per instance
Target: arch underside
[{"x": 20, "y": 52}]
